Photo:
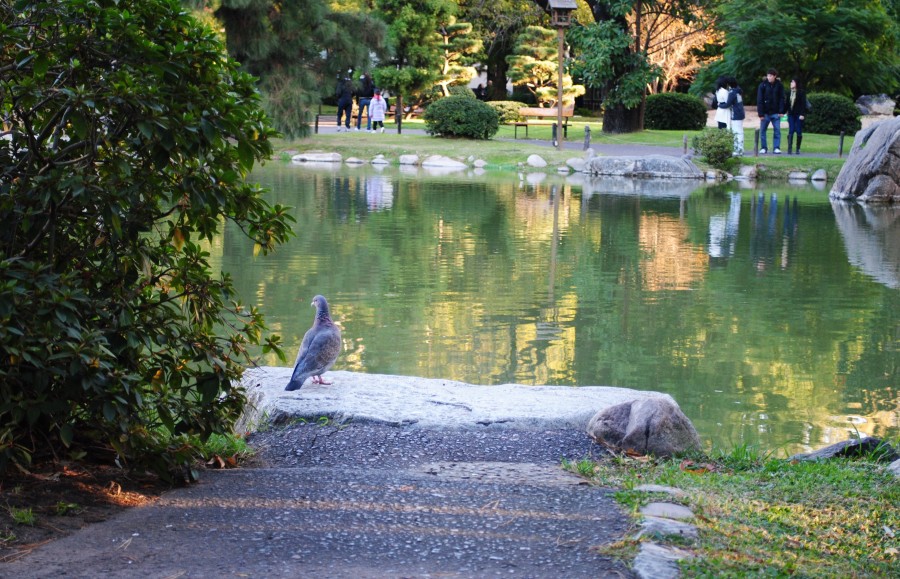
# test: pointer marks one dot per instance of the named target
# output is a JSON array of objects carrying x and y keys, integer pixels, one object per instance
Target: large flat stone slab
[
  {"x": 427, "y": 402},
  {"x": 646, "y": 167}
]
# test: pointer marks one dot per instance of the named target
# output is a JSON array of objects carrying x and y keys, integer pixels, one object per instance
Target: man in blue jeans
[
  {"x": 769, "y": 106},
  {"x": 366, "y": 92}
]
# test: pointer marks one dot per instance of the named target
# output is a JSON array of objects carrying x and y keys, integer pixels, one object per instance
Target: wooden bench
[{"x": 540, "y": 114}]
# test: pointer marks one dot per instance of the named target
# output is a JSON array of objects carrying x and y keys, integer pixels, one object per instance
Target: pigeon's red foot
[{"x": 318, "y": 380}]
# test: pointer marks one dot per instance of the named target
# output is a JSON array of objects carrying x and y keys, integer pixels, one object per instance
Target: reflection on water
[{"x": 769, "y": 315}]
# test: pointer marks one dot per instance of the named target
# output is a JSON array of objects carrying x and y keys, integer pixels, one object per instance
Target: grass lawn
[{"x": 766, "y": 517}]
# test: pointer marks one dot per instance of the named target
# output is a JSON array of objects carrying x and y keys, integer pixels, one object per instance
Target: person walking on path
[
  {"x": 735, "y": 102},
  {"x": 796, "y": 109},
  {"x": 770, "y": 107},
  {"x": 723, "y": 111},
  {"x": 366, "y": 92},
  {"x": 377, "y": 108},
  {"x": 344, "y": 94}
]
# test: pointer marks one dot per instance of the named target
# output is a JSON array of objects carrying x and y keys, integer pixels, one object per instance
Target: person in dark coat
[
  {"x": 795, "y": 107},
  {"x": 770, "y": 107},
  {"x": 344, "y": 94},
  {"x": 366, "y": 92}
]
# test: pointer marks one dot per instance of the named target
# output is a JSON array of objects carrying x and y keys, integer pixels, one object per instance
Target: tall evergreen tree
[
  {"x": 459, "y": 46},
  {"x": 416, "y": 46},
  {"x": 297, "y": 48},
  {"x": 534, "y": 64}
]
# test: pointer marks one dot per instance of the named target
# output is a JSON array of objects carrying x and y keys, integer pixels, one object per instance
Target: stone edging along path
[{"x": 663, "y": 163}]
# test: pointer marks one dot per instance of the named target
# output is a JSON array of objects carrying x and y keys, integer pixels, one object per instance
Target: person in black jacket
[
  {"x": 366, "y": 92},
  {"x": 770, "y": 107},
  {"x": 796, "y": 110},
  {"x": 344, "y": 94}
]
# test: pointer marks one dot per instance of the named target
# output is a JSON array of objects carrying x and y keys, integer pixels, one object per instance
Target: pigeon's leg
[{"x": 318, "y": 380}]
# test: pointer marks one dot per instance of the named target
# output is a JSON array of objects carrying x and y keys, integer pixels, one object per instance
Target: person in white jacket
[
  {"x": 377, "y": 108},
  {"x": 723, "y": 111}
]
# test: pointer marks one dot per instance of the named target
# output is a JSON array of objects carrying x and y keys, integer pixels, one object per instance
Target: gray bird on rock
[{"x": 319, "y": 349}]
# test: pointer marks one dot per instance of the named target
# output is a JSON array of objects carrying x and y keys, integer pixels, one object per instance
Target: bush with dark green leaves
[
  {"x": 461, "y": 90},
  {"x": 832, "y": 114},
  {"x": 508, "y": 110},
  {"x": 715, "y": 146},
  {"x": 458, "y": 116},
  {"x": 129, "y": 137},
  {"x": 674, "y": 111}
]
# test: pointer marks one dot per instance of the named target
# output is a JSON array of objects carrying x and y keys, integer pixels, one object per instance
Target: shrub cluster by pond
[
  {"x": 673, "y": 111},
  {"x": 832, "y": 114},
  {"x": 460, "y": 116},
  {"x": 715, "y": 146}
]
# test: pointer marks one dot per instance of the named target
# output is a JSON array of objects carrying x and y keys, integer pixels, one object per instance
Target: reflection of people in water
[
  {"x": 379, "y": 192},
  {"x": 764, "y": 246},
  {"x": 762, "y": 231},
  {"x": 723, "y": 230},
  {"x": 789, "y": 227}
]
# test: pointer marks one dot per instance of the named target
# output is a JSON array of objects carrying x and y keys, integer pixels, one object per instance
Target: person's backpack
[
  {"x": 808, "y": 106},
  {"x": 715, "y": 103}
]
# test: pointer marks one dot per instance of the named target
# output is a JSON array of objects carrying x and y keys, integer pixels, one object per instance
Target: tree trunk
[{"x": 618, "y": 119}]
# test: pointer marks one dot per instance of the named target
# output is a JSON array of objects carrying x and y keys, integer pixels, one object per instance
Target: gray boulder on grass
[{"x": 654, "y": 426}]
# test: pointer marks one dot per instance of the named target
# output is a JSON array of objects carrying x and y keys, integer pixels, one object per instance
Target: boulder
[
  {"x": 878, "y": 104},
  {"x": 317, "y": 157},
  {"x": 872, "y": 171},
  {"x": 798, "y": 176},
  {"x": 576, "y": 164},
  {"x": 479, "y": 163},
  {"x": 649, "y": 167},
  {"x": 894, "y": 468},
  {"x": 442, "y": 162},
  {"x": 654, "y": 426},
  {"x": 820, "y": 175},
  {"x": 883, "y": 451},
  {"x": 536, "y": 161},
  {"x": 409, "y": 159}
]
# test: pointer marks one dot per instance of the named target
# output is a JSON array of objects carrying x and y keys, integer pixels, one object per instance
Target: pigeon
[{"x": 319, "y": 349}]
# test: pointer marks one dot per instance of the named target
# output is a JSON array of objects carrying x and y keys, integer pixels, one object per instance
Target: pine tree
[
  {"x": 459, "y": 46},
  {"x": 297, "y": 48},
  {"x": 535, "y": 65}
]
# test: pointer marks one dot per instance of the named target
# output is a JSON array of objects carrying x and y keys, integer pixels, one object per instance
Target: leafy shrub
[
  {"x": 716, "y": 146},
  {"x": 463, "y": 91},
  {"x": 117, "y": 337},
  {"x": 673, "y": 111},
  {"x": 507, "y": 110},
  {"x": 831, "y": 114},
  {"x": 457, "y": 116}
]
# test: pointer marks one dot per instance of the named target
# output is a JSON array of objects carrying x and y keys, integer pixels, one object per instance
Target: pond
[{"x": 769, "y": 314}]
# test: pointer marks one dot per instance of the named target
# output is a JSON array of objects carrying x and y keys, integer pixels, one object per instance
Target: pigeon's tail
[{"x": 297, "y": 380}]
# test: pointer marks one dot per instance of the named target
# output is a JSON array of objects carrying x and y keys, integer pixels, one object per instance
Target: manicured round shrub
[
  {"x": 463, "y": 91},
  {"x": 458, "y": 116},
  {"x": 715, "y": 146},
  {"x": 508, "y": 110},
  {"x": 674, "y": 111},
  {"x": 832, "y": 114}
]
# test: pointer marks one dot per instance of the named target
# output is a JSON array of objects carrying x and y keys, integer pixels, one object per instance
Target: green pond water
[{"x": 769, "y": 314}]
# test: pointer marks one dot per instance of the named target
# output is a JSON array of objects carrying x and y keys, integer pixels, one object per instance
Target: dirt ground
[{"x": 57, "y": 499}]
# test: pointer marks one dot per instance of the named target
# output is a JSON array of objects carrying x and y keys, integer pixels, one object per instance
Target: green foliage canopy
[
  {"x": 534, "y": 64},
  {"x": 297, "y": 48},
  {"x": 415, "y": 44},
  {"x": 849, "y": 47},
  {"x": 127, "y": 136}
]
